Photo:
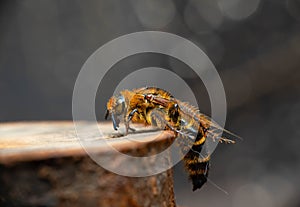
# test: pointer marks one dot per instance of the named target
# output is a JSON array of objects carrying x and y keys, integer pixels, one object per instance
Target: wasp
[
  {"x": 157, "y": 107},
  {"x": 136, "y": 106}
]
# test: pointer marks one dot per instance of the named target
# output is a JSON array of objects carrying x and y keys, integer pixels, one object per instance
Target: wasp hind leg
[{"x": 157, "y": 118}]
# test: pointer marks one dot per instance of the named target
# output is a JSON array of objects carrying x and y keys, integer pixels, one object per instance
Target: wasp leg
[
  {"x": 186, "y": 140},
  {"x": 157, "y": 118},
  {"x": 115, "y": 122},
  {"x": 227, "y": 141},
  {"x": 131, "y": 129},
  {"x": 130, "y": 115}
]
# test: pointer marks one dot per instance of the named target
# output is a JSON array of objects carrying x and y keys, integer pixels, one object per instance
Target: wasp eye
[
  {"x": 120, "y": 105},
  {"x": 120, "y": 100}
]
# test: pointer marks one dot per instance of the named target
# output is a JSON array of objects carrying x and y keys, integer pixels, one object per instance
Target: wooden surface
[{"x": 44, "y": 164}]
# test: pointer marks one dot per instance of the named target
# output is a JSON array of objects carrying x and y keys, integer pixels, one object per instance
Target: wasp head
[{"x": 115, "y": 108}]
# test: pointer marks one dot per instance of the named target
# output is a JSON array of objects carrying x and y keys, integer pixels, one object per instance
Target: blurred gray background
[{"x": 255, "y": 46}]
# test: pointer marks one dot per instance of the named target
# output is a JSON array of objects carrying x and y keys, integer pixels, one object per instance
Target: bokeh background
[{"x": 255, "y": 46}]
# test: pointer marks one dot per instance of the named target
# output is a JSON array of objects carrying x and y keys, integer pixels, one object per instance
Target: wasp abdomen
[{"x": 197, "y": 169}]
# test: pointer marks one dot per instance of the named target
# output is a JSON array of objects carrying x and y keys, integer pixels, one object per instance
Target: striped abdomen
[{"x": 196, "y": 162}]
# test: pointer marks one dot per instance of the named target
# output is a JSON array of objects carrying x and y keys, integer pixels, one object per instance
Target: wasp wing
[{"x": 209, "y": 126}]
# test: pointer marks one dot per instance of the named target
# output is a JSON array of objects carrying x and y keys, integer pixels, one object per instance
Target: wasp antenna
[
  {"x": 106, "y": 114},
  {"x": 218, "y": 187}
]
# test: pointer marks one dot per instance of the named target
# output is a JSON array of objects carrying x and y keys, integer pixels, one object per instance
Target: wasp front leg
[{"x": 128, "y": 119}]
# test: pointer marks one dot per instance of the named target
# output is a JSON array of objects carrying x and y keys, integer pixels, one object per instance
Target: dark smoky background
[{"x": 254, "y": 45}]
